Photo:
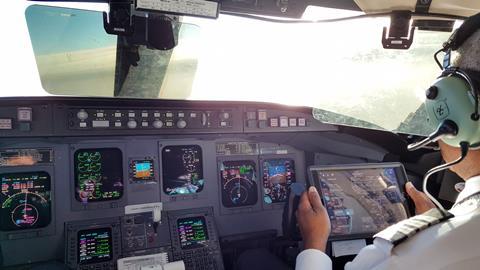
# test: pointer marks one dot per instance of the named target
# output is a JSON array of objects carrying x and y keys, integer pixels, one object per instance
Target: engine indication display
[
  {"x": 98, "y": 174},
  {"x": 26, "y": 200},
  {"x": 239, "y": 184},
  {"x": 278, "y": 174},
  {"x": 182, "y": 169},
  {"x": 94, "y": 245}
]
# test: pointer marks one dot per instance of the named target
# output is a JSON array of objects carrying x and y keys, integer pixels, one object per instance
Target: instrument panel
[
  {"x": 109, "y": 176},
  {"x": 58, "y": 179}
]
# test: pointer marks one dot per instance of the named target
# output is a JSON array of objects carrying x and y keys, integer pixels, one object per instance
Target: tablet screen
[{"x": 361, "y": 200}]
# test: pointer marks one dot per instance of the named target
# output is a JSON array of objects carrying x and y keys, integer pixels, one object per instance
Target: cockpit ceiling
[{"x": 453, "y": 7}]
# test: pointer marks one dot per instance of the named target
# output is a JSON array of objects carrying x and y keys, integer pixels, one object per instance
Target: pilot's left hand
[{"x": 313, "y": 220}]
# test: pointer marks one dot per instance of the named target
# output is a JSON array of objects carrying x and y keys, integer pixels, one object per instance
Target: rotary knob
[
  {"x": 181, "y": 123},
  {"x": 132, "y": 124},
  {"x": 82, "y": 115},
  {"x": 225, "y": 115},
  {"x": 157, "y": 124}
]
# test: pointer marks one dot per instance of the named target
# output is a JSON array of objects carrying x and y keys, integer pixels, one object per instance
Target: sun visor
[{"x": 454, "y": 7}]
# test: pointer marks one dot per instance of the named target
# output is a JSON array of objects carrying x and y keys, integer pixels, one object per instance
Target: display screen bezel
[
  {"x": 96, "y": 259},
  {"x": 401, "y": 181}
]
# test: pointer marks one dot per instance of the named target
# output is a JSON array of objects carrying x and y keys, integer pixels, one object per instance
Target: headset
[{"x": 452, "y": 103}]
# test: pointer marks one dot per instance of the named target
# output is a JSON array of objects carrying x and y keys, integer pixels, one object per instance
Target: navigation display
[
  {"x": 26, "y": 200},
  {"x": 94, "y": 245},
  {"x": 98, "y": 174},
  {"x": 182, "y": 169},
  {"x": 192, "y": 232},
  {"x": 239, "y": 183},
  {"x": 278, "y": 174},
  {"x": 361, "y": 201}
]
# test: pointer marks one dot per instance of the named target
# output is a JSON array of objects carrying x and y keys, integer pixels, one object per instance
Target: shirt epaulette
[{"x": 403, "y": 230}]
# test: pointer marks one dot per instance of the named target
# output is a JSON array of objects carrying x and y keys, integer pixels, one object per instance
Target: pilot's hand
[
  {"x": 313, "y": 220},
  {"x": 421, "y": 201}
]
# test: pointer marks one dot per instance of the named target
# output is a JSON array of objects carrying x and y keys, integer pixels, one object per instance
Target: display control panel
[{"x": 117, "y": 119}]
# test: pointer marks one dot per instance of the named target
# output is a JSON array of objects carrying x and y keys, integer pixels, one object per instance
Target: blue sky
[{"x": 55, "y": 30}]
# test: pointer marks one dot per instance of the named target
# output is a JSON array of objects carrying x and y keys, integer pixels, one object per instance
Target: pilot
[{"x": 446, "y": 241}]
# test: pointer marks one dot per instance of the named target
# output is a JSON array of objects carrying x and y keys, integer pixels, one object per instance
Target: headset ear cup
[{"x": 454, "y": 101}]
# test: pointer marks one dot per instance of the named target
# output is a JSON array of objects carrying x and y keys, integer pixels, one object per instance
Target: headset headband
[{"x": 466, "y": 30}]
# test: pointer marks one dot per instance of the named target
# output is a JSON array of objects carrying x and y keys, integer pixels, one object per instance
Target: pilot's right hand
[
  {"x": 421, "y": 201},
  {"x": 313, "y": 220}
]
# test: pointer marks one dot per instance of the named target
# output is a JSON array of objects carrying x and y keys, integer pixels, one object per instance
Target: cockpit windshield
[{"x": 338, "y": 68}]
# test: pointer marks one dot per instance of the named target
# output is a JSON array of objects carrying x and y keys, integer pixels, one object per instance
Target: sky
[{"x": 57, "y": 30}]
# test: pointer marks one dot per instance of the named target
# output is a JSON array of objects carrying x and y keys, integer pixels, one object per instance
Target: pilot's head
[{"x": 467, "y": 58}]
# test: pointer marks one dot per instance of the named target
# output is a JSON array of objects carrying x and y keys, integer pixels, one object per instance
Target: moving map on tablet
[{"x": 361, "y": 200}]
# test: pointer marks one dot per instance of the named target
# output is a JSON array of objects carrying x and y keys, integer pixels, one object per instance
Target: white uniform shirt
[{"x": 453, "y": 244}]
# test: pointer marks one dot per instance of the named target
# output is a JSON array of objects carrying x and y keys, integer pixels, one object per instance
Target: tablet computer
[{"x": 361, "y": 199}]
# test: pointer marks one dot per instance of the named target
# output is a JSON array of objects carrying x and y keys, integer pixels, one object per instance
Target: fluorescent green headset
[
  {"x": 452, "y": 104},
  {"x": 452, "y": 101}
]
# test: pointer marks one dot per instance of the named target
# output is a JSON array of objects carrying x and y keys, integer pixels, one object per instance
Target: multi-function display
[
  {"x": 26, "y": 200},
  {"x": 182, "y": 169},
  {"x": 239, "y": 183}
]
